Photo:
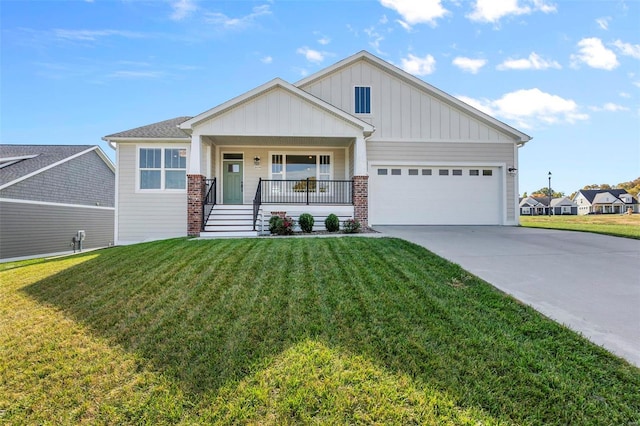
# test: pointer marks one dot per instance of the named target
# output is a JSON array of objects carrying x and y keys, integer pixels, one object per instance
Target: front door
[{"x": 232, "y": 182}]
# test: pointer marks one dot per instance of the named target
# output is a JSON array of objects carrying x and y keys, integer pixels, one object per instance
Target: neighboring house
[
  {"x": 50, "y": 192},
  {"x": 605, "y": 201},
  {"x": 563, "y": 206},
  {"x": 531, "y": 206},
  {"x": 361, "y": 139}
]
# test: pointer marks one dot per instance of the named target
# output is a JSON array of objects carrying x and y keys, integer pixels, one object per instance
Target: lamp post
[{"x": 549, "y": 205}]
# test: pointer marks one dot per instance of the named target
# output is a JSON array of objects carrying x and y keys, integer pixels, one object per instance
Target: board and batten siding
[
  {"x": 277, "y": 112},
  {"x": 399, "y": 108},
  {"x": 253, "y": 173},
  {"x": 28, "y": 229},
  {"x": 147, "y": 216},
  {"x": 449, "y": 153}
]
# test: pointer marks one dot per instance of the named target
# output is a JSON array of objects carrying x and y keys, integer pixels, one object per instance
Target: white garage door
[{"x": 405, "y": 195}]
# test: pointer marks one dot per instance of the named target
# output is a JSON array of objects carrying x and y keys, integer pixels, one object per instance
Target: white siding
[
  {"x": 399, "y": 109},
  {"x": 146, "y": 216},
  {"x": 450, "y": 153},
  {"x": 278, "y": 113}
]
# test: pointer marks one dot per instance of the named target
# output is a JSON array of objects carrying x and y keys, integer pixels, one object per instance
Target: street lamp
[{"x": 549, "y": 205}]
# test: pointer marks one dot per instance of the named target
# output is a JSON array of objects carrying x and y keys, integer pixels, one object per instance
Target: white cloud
[
  {"x": 624, "y": 95},
  {"x": 137, "y": 74},
  {"x": 529, "y": 108},
  {"x": 533, "y": 62},
  {"x": 374, "y": 39},
  {"x": 610, "y": 107},
  {"x": 182, "y": 9},
  {"x": 628, "y": 49},
  {"x": 93, "y": 35},
  {"x": 593, "y": 53},
  {"x": 494, "y": 10},
  {"x": 636, "y": 83},
  {"x": 266, "y": 60},
  {"x": 324, "y": 40},
  {"x": 311, "y": 55},
  {"x": 238, "y": 23},
  {"x": 417, "y": 12},
  {"x": 418, "y": 66},
  {"x": 603, "y": 22},
  {"x": 469, "y": 64}
]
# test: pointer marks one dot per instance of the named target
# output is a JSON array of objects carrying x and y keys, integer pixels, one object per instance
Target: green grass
[
  {"x": 289, "y": 331},
  {"x": 627, "y": 226}
]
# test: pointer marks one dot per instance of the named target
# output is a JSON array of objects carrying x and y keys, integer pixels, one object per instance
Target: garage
[{"x": 435, "y": 195}]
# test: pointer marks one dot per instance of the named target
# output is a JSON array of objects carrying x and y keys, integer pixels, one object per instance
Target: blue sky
[{"x": 565, "y": 72}]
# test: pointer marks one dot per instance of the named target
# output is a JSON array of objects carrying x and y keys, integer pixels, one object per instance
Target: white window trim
[
  {"x": 316, "y": 153},
  {"x": 353, "y": 101},
  {"x": 162, "y": 189}
]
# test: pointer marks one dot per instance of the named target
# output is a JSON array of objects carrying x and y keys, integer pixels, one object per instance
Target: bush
[
  {"x": 306, "y": 222},
  {"x": 332, "y": 223},
  {"x": 281, "y": 226},
  {"x": 351, "y": 226}
]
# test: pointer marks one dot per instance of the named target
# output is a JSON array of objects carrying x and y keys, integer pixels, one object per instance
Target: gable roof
[
  {"x": 432, "y": 90},
  {"x": 288, "y": 87},
  {"x": 590, "y": 194},
  {"x": 34, "y": 159},
  {"x": 167, "y": 129},
  {"x": 563, "y": 201}
]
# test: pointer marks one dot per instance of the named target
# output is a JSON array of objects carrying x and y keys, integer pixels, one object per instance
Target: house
[
  {"x": 534, "y": 206},
  {"x": 563, "y": 206},
  {"x": 50, "y": 192},
  {"x": 605, "y": 201},
  {"x": 360, "y": 138}
]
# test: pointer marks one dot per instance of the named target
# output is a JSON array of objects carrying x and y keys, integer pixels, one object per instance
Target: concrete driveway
[{"x": 588, "y": 282}]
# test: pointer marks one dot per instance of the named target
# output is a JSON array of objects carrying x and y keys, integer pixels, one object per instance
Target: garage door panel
[{"x": 464, "y": 199}]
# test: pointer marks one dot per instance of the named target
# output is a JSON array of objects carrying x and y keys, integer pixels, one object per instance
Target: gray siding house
[
  {"x": 50, "y": 192},
  {"x": 360, "y": 138}
]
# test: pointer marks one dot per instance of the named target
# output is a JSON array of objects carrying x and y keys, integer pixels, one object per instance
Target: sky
[{"x": 566, "y": 73}]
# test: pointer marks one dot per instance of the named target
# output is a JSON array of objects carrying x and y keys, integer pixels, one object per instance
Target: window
[
  {"x": 396, "y": 172},
  {"x": 413, "y": 172},
  {"x": 457, "y": 172},
  {"x": 299, "y": 166},
  {"x": 362, "y": 100},
  {"x": 443, "y": 172},
  {"x": 426, "y": 172},
  {"x": 382, "y": 172},
  {"x": 487, "y": 173},
  {"x": 474, "y": 172},
  {"x": 163, "y": 168}
]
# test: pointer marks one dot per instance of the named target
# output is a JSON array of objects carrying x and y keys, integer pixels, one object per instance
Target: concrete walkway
[{"x": 588, "y": 282}]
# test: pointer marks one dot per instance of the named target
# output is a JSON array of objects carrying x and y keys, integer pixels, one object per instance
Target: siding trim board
[{"x": 47, "y": 203}]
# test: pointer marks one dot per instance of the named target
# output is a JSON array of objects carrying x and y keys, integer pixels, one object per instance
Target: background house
[
  {"x": 605, "y": 201},
  {"x": 563, "y": 206},
  {"x": 50, "y": 192},
  {"x": 533, "y": 206}
]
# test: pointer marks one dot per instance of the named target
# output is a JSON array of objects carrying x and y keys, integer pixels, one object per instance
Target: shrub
[
  {"x": 332, "y": 223},
  {"x": 351, "y": 226},
  {"x": 306, "y": 222},
  {"x": 281, "y": 226}
]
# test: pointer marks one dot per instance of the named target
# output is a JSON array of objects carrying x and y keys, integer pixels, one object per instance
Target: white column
[
  {"x": 196, "y": 153},
  {"x": 360, "y": 157}
]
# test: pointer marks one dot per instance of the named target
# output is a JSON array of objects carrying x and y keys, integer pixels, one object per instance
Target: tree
[
  {"x": 632, "y": 187},
  {"x": 596, "y": 186},
  {"x": 544, "y": 192}
]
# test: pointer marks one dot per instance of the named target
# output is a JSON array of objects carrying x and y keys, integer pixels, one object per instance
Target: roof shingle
[{"x": 161, "y": 129}]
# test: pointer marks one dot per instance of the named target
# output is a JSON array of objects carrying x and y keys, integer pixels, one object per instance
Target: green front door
[{"x": 232, "y": 182}]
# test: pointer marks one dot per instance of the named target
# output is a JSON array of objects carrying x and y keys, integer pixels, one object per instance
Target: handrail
[
  {"x": 257, "y": 201},
  {"x": 208, "y": 200}
]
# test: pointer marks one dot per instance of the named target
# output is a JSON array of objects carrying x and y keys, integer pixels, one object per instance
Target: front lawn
[
  {"x": 289, "y": 331},
  {"x": 609, "y": 224}
]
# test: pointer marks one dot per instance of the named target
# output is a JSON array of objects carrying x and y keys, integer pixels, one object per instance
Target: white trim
[
  {"x": 473, "y": 141},
  {"x": 116, "y": 217},
  {"x": 7, "y": 161},
  {"x": 163, "y": 170},
  {"x": 47, "y": 203},
  {"x": 57, "y": 163},
  {"x": 145, "y": 140}
]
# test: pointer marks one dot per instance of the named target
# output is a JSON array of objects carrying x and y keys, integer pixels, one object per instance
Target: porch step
[
  {"x": 230, "y": 221},
  {"x": 225, "y": 234},
  {"x": 222, "y": 228}
]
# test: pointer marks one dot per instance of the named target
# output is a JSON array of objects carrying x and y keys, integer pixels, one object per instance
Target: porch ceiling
[{"x": 278, "y": 141}]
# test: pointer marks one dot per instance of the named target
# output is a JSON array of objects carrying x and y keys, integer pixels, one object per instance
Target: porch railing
[
  {"x": 305, "y": 191},
  {"x": 209, "y": 200},
  {"x": 257, "y": 201}
]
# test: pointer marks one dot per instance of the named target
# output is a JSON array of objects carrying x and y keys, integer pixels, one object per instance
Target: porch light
[
  {"x": 256, "y": 161},
  {"x": 512, "y": 170}
]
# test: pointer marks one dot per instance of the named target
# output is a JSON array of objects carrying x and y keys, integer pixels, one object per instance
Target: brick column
[
  {"x": 361, "y": 199},
  {"x": 195, "y": 198}
]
